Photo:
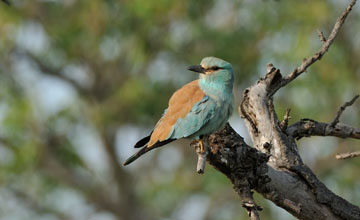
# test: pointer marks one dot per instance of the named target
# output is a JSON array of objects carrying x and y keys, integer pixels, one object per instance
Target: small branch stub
[
  {"x": 269, "y": 68},
  {"x": 200, "y": 168},
  {"x": 202, "y": 155},
  {"x": 321, "y": 36},
  {"x": 284, "y": 123}
]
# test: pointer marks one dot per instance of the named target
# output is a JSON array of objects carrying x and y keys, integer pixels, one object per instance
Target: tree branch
[
  {"x": 317, "y": 56},
  {"x": 347, "y": 155},
  {"x": 308, "y": 127},
  {"x": 247, "y": 169},
  {"x": 243, "y": 165},
  {"x": 293, "y": 185},
  {"x": 342, "y": 109}
]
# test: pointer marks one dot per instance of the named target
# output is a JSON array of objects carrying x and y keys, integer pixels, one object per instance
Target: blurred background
[{"x": 81, "y": 81}]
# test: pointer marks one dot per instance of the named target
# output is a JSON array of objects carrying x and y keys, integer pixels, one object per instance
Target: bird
[{"x": 196, "y": 110}]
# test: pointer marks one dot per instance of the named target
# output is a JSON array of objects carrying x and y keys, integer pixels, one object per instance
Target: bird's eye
[{"x": 215, "y": 68}]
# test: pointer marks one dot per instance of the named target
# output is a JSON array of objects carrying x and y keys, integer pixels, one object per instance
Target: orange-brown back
[{"x": 180, "y": 105}]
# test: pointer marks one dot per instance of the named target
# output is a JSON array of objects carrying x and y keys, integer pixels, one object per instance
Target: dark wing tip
[
  {"x": 143, "y": 141},
  {"x": 146, "y": 149}
]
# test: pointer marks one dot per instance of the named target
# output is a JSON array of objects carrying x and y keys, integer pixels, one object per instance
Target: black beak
[{"x": 197, "y": 68}]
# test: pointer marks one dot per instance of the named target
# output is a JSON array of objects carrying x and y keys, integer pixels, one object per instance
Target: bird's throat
[{"x": 216, "y": 88}]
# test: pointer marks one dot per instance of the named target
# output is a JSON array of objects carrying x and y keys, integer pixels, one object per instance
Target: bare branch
[
  {"x": 317, "y": 56},
  {"x": 342, "y": 109},
  {"x": 348, "y": 155},
  {"x": 246, "y": 167},
  {"x": 308, "y": 127},
  {"x": 309, "y": 61}
]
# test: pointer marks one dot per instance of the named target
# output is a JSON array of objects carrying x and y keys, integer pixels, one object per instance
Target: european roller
[{"x": 199, "y": 108}]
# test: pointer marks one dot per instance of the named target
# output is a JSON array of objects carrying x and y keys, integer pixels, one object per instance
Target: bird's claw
[{"x": 202, "y": 147}]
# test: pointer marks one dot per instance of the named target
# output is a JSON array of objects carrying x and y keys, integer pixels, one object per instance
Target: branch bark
[
  {"x": 243, "y": 165},
  {"x": 308, "y": 127},
  {"x": 348, "y": 155}
]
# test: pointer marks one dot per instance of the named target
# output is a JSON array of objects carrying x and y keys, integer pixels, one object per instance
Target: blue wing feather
[{"x": 199, "y": 115}]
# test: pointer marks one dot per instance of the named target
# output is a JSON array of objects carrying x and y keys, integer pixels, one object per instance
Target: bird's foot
[{"x": 202, "y": 147}]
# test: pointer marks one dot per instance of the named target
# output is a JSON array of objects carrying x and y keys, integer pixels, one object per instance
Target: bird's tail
[
  {"x": 137, "y": 155},
  {"x": 145, "y": 149}
]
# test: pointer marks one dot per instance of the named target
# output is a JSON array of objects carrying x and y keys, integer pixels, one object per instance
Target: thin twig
[
  {"x": 285, "y": 121},
  {"x": 341, "y": 110},
  {"x": 348, "y": 155},
  {"x": 321, "y": 36},
  {"x": 325, "y": 47}
]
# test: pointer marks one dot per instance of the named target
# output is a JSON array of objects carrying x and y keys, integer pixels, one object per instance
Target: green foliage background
[{"x": 81, "y": 81}]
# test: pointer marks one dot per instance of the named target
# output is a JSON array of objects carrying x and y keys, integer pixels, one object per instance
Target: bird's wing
[
  {"x": 198, "y": 116},
  {"x": 189, "y": 109}
]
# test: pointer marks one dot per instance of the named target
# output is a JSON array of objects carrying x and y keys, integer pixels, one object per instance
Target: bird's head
[{"x": 213, "y": 69}]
